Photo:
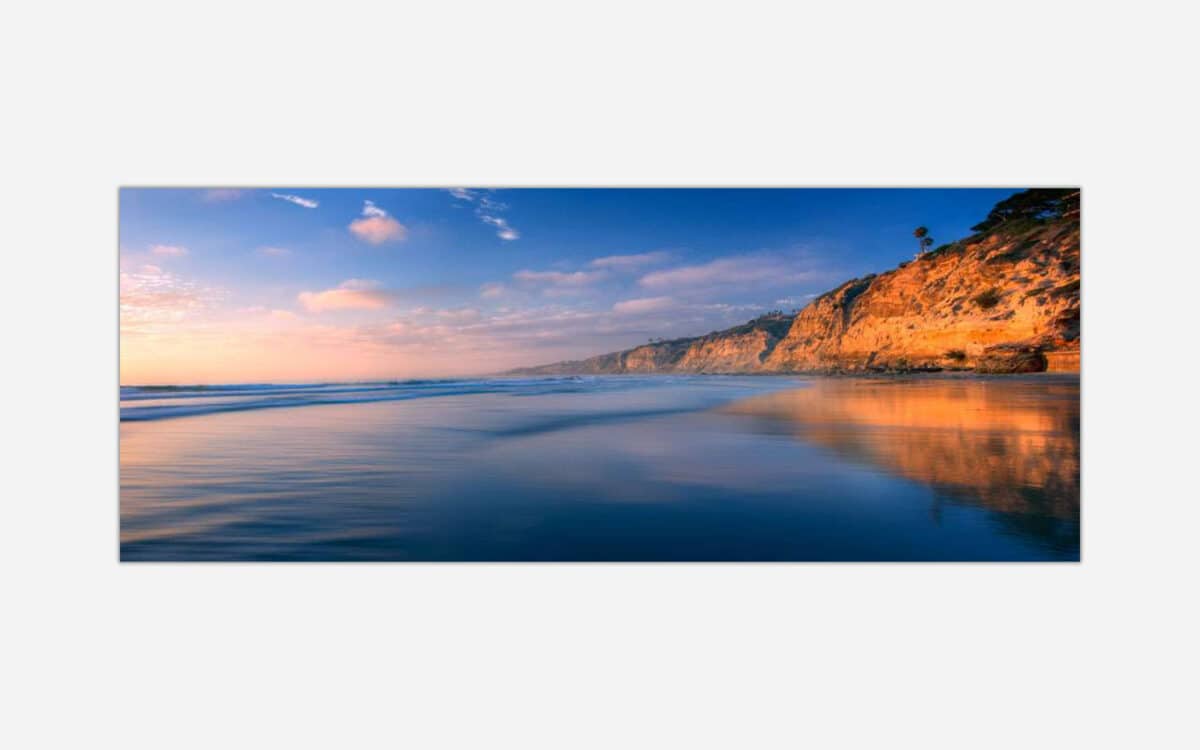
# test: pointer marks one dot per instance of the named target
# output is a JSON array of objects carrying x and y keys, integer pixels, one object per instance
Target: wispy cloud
[
  {"x": 644, "y": 305},
  {"x": 631, "y": 262},
  {"x": 274, "y": 252},
  {"x": 768, "y": 269},
  {"x": 151, "y": 297},
  {"x": 169, "y": 251},
  {"x": 559, "y": 278},
  {"x": 518, "y": 336},
  {"x": 421, "y": 341},
  {"x": 488, "y": 210},
  {"x": 305, "y": 202},
  {"x": 461, "y": 315},
  {"x": 796, "y": 301},
  {"x": 276, "y": 314},
  {"x": 503, "y": 230},
  {"x": 488, "y": 203},
  {"x": 376, "y": 226},
  {"x": 352, "y": 294}
]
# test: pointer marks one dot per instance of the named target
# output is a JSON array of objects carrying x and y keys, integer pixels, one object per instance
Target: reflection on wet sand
[
  {"x": 961, "y": 468},
  {"x": 1010, "y": 446}
]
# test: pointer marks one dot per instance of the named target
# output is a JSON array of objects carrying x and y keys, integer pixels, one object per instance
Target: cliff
[
  {"x": 1006, "y": 299},
  {"x": 743, "y": 348}
]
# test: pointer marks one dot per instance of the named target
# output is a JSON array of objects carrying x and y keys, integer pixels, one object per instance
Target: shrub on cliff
[
  {"x": 987, "y": 299},
  {"x": 1034, "y": 206}
]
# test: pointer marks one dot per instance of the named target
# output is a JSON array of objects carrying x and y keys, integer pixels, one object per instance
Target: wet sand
[{"x": 621, "y": 469}]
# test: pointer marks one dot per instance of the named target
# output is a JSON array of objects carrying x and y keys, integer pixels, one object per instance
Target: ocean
[{"x": 611, "y": 468}]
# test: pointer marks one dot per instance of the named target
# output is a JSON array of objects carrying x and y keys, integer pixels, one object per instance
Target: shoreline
[{"x": 170, "y": 390}]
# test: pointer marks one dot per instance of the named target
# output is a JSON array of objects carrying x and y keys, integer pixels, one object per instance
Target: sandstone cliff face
[
  {"x": 736, "y": 353},
  {"x": 1004, "y": 301},
  {"x": 999, "y": 303},
  {"x": 735, "y": 350}
]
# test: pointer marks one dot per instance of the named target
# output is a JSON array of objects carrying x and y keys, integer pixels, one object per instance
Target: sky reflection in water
[{"x": 669, "y": 468}]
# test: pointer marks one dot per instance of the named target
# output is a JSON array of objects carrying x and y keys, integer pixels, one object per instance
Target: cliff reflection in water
[{"x": 1009, "y": 445}]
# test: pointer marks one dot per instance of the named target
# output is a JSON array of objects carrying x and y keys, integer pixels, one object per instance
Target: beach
[{"x": 668, "y": 468}]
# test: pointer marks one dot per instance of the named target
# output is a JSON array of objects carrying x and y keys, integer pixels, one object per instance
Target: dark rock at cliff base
[{"x": 1011, "y": 359}]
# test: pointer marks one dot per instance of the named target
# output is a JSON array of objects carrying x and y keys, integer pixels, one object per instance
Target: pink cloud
[
  {"x": 151, "y": 298},
  {"x": 460, "y": 315},
  {"x": 643, "y": 305},
  {"x": 376, "y": 227},
  {"x": 169, "y": 251},
  {"x": 353, "y": 294},
  {"x": 378, "y": 230}
]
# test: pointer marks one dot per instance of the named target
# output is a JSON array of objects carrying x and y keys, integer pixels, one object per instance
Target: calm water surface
[{"x": 616, "y": 468}]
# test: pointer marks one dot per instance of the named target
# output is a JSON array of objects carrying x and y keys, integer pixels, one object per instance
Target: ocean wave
[{"x": 150, "y": 402}]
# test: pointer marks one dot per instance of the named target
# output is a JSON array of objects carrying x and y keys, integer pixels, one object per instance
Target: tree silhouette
[{"x": 924, "y": 241}]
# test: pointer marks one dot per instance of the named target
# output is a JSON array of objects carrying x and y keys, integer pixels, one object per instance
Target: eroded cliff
[
  {"x": 1006, "y": 299},
  {"x": 743, "y": 348},
  {"x": 1005, "y": 302}
]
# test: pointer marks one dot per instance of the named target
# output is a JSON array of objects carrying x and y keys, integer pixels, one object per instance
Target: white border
[{"x": 870, "y": 93}]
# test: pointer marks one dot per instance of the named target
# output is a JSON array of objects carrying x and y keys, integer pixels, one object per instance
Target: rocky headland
[{"x": 1004, "y": 300}]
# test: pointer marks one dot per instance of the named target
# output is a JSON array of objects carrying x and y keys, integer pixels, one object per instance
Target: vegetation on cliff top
[{"x": 1029, "y": 208}]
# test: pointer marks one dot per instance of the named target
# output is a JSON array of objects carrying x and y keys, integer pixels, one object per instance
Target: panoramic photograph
[{"x": 487, "y": 374}]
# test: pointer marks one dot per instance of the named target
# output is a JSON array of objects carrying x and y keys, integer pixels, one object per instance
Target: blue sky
[{"x": 288, "y": 284}]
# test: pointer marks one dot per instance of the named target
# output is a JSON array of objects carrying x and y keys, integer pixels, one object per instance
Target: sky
[{"x": 234, "y": 285}]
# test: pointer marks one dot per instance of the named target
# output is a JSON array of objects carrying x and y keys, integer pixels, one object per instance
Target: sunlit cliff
[{"x": 1006, "y": 299}]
